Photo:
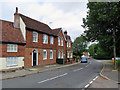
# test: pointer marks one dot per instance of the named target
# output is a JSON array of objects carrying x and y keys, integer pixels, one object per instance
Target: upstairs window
[
  {"x": 45, "y": 39},
  {"x": 51, "y": 54},
  {"x": 11, "y": 48},
  {"x": 51, "y": 40},
  {"x": 35, "y": 37},
  {"x": 69, "y": 44},
  {"x": 59, "y": 41}
]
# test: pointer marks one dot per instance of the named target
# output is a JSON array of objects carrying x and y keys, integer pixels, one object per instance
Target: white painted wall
[
  {"x": 22, "y": 28},
  {"x": 3, "y": 64}
]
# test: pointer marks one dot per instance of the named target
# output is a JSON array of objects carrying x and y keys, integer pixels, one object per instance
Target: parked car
[{"x": 84, "y": 60}]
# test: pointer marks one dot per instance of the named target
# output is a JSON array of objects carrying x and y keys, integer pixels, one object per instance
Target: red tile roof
[
  {"x": 56, "y": 31},
  {"x": 9, "y": 33},
  {"x": 36, "y": 25}
]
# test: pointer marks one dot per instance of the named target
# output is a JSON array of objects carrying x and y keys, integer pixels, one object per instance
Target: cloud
[{"x": 56, "y": 14}]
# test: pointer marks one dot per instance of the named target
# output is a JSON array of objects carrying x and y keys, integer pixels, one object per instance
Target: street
[{"x": 71, "y": 77}]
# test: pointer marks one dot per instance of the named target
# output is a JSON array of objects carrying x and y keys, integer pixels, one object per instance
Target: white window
[
  {"x": 44, "y": 54},
  {"x": 11, "y": 61},
  {"x": 59, "y": 41},
  {"x": 71, "y": 55},
  {"x": 67, "y": 54},
  {"x": 35, "y": 37},
  {"x": 61, "y": 54},
  {"x": 45, "y": 39},
  {"x": 11, "y": 48},
  {"x": 51, "y": 40},
  {"x": 69, "y": 44},
  {"x": 51, "y": 54},
  {"x": 58, "y": 54}
]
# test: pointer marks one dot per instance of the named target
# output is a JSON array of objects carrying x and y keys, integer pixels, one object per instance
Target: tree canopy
[
  {"x": 79, "y": 45},
  {"x": 103, "y": 18}
]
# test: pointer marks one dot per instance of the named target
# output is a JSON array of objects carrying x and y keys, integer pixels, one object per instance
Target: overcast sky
[{"x": 67, "y": 15}]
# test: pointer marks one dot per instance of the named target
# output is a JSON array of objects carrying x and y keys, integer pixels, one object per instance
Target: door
[{"x": 34, "y": 58}]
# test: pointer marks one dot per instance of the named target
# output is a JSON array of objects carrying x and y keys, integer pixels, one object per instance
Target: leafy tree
[
  {"x": 79, "y": 46},
  {"x": 103, "y": 24}
]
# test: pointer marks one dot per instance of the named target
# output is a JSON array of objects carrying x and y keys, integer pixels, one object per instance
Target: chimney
[
  {"x": 16, "y": 18},
  {"x": 65, "y": 32},
  {"x": 16, "y": 10}
]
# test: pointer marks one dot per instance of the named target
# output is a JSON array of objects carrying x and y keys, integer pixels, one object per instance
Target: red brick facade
[{"x": 26, "y": 48}]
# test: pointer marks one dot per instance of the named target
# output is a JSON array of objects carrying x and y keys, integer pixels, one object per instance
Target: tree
[
  {"x": 79, "y": 45},
  {"x": 103, "y": 25}
]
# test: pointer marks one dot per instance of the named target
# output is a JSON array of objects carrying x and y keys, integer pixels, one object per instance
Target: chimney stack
[
  {"x": 16, "y": 10},
  {"x": 16, "y": 18},
  {"x": 65, "y": 32}
]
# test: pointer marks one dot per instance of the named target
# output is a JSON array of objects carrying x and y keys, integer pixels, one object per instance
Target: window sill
[
  {"x": 44, "y": 58},
  {"x": 11, "y": 51},
  {"x": 12, "y": 66}
]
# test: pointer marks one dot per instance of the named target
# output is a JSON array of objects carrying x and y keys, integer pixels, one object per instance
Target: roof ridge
[
  {"x": 6, "y": 21},
  {"x": 34, "y": 19}
]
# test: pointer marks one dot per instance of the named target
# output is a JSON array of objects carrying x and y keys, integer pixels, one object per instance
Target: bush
[
  {"x": 74, "y": 56},
  {"x": 60, "y": 61}
]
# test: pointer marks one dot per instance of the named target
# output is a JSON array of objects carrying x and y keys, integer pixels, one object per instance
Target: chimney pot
[
  {"x": 16, "y": 9},
  {"x": 65, "y": 32}
]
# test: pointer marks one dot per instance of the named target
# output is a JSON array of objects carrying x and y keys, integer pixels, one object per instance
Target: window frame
[
  {"x": 51, "y": 41},
  {"x": 62, "y": 54},
  {"x": 43, "y": 54},
  {"x": 45, "y": 37},
  {"x": 35, "y": 40},
  {"x": 69, "y": 44},
  {"x": 13, "y": 60},
  {"x": 61, "y": 41},
  {"x": 52, "y": 54},
  {"x": 68, "y": 55},
  {"x": 71, "y": 55},
  {"x": 59, "y": 54},
  {"x": 12, "y": 47},
  {"x": 58, "y": 41}
]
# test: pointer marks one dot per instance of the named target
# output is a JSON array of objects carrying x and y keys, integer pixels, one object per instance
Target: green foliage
[
  {"x": 59, "y": 61},
  {"x": 79, "y": 46},
  {"x": 103, "y": 18},
  {"x": 78, "y": 57},
  {"x": 74, "y": 56}
]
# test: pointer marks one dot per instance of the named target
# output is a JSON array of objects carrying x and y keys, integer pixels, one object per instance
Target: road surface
[{"x": 76, "y": 76}]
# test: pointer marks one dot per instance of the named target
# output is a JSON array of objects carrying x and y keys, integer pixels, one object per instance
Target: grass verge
[{"x": 117, "y": 64}]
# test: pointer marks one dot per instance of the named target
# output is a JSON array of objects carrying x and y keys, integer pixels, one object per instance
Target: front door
[{"x": 34, "y": 58}]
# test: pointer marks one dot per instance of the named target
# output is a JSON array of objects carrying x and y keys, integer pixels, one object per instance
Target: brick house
[
  {"x": 11, "y": 46},
  {"x": 69, "y": 49},
  {"x": 36, "y": 43}
]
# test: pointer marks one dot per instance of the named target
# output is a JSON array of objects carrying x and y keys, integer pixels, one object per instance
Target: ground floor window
[
  {"x": 58, "y": 54},
  {"x": 11, "y": 61},
  {"x": 51, "y": 54},
  {"x": 61, "y": 54},
  {"x": 71, "y": 55},
  {"x": 44, "y": 54},
  {"x": 67, "y": 54}
]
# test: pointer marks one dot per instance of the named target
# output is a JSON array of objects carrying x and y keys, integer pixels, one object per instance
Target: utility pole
[{"x": 114, "y": 49}]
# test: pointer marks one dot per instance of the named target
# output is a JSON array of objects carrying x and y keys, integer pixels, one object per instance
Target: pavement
[
  {"x": 33, "y": 70},
  {"x": 108, "y": 78}
]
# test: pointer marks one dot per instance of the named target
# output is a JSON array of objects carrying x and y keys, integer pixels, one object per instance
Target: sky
[{"x": 67, "y": 14}]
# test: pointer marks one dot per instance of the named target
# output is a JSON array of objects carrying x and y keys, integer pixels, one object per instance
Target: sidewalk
[
  {"x": 33, "y": 70},
  {"x": 108, "y": 76}
]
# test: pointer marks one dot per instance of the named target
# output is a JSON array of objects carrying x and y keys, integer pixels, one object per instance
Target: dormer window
[{"x": 35, "y": 37}]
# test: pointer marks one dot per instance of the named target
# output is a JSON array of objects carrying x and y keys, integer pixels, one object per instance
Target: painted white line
[
  {"x": 91, "y": 82},
  {"x": 53, "y": 78},
  {"x": 77, "y": 69},
  {"x": 87, "y": 85}
]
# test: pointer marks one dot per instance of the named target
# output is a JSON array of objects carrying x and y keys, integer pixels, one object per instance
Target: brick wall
[
  {"x": 28, "y": 57},
  {"x": 4, "y": 53}
]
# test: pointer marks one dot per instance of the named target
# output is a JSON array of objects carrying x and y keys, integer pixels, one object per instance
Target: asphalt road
[{"x": 71, "y": 77}]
